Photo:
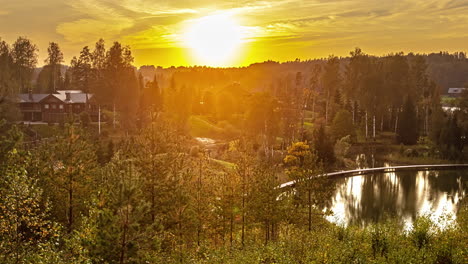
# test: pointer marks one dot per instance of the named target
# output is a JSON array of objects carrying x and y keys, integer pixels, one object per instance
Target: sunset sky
[{"x": 157, "y": 30}]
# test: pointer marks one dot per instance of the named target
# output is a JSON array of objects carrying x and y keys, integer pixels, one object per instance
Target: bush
[
  {"x": 421, "y": 233},
  {"x": 342, "y": 146},
  {"x": 85, "y": 119}
]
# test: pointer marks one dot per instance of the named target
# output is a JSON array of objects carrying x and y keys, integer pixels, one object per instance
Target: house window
[
  {"x": 61, "y": 106},
  {"x": 77, "y": 106},
  {"x": 54, "y": 106},
  {"x": 46, "y": 106}
]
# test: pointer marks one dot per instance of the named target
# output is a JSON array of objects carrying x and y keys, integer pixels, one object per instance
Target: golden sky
[{"x": 271, "y": 29}]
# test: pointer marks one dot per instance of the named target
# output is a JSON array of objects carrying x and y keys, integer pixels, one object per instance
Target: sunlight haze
[{"x": 159, "y": 31}]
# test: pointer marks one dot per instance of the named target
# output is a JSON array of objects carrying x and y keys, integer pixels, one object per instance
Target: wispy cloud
[{"x": 283, "y": 28}]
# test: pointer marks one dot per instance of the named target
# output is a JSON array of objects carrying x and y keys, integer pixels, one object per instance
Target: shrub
[{"x": 421, "y": 233}]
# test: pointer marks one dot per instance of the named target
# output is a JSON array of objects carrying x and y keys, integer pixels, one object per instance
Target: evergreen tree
[
  {"x": 54, "y": 59},
  {"x": 450, "y": 141},
  {"x": 82, "y": 71},
  {"x": 265, "y": 207},
  {"x": 407, "y": 132},
  {"x": 331, "y": 83},
  {"x": 24, "y": 54},
  {"x": 65, "y": 169},
  {"x": 323, "y": 146},
  {"x": 117, "y": 83},
  {"x": 9, "y": 85},
  {"x": 343, "y": 125}
]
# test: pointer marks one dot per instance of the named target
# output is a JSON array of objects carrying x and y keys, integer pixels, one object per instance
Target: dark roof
[
  {"x": 76, "y": 97},
  {"x": 26, "y": 98}
]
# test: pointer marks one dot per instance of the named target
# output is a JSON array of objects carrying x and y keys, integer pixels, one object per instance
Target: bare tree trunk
[
  {"x": 99, "y": 119},
  {"x": 390, "y": 119},
  {"x": 302, "y": 123},
  {"x": 113, "y": 121},
  {"x": 396, "y": 121},
  {"x": 70, "y": 205},
  {"x": 426, "y": 118},
  {"x": 313, "y": 108},
  {"x": 310, "y": 209},
  {"x": 153, "y": 180},
  {"x": 231, "y": 230},
  {"x": 243, "y": 209},
  {"x": 326, "y": 107},
  {"x": 382, "y": 123},
  {"x": 367, "y": 129},
  {"x": 17, "y": 226},
  {"x": 199, "y": 203},
  {"x": 272, "y": 231},
  {"x": 123, "y": 243},
  {"x": 373, "y": 127}
]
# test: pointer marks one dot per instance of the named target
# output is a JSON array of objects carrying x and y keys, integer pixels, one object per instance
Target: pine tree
[
  {"x": 65, "y": 169},
  {"x": 9, "y": 85},
  {"x": 53, "y": 61},
  {"x": 24, "y": 54}
]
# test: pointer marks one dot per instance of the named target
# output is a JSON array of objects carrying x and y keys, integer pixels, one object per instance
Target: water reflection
[{"x": 368, "y": 198}]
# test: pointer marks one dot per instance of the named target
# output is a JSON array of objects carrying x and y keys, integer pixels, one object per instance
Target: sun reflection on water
[{"x": 406, "y": 195}]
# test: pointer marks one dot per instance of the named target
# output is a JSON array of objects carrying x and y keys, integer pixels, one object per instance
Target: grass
[
  {"x": 399, "y": 159},
  {"x": 449, "y": 101},
  {"x": 200, "y": 127},
  {"x": 226, "y": 164},
  {"x": 309, "y": 126},
  {"x": 45, "y": 131}
]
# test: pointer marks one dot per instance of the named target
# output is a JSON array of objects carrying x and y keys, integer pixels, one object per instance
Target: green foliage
[
  {"x": 343, "y": 125},
  {"x": 26, "y": 233},
  {"x": 10, "y": 139},
  {"x": 24, "y": 54},
  {"x": 342, "y": 146},
  {"x": 178, "y": 105},
  {"x": 451, "y": 143},
  {"x": 9, "y": 85},
  {"x": 407, "y": 132},
  {"x": 200, "y": 127},
  {"x": 421, "y": 233},
  {"x": 323, "y": 146},
  {"x": 85, "y": 119},
  {"x": 262, "y": 118},
  {"x": 65, "y": 169}
]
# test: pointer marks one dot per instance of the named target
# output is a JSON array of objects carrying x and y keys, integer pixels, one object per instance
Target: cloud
[{"x": 302, "y": 28}]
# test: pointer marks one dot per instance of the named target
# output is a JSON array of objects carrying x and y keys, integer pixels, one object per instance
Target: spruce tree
[{"x": 407, "y": 130}]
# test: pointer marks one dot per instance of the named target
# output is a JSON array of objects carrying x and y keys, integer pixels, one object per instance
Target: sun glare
[{"x": 214, "y": 40}]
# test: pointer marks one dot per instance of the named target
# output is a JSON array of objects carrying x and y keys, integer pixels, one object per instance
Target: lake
[{"x": 369, "y": 198}]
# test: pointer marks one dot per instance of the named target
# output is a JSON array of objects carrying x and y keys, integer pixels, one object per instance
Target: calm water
[{"x": 368, "y": 198}]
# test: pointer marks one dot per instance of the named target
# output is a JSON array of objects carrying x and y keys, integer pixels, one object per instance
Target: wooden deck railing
[{"x": 384, "y": 170}]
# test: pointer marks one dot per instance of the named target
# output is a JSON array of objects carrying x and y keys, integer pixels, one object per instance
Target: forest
[{"x": 187, "y": 166}]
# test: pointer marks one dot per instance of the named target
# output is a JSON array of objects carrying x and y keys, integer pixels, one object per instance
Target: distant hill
[{"x": 445, "y": 69}]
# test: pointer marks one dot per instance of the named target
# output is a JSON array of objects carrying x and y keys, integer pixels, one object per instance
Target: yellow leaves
[
  {"x": 233, "y": 145},
  {"x": 296, "y": 152}
]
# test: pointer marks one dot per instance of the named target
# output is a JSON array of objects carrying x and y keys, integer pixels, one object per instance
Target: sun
[{"x": 214, "y": 40}]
